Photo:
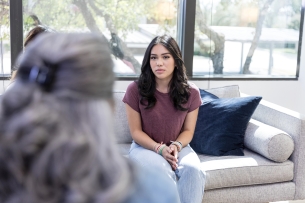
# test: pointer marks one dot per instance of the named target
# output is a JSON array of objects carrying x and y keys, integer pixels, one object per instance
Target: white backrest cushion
[
  {"x": 121, "y": 128},
  {"x": 225, "y": 92}
]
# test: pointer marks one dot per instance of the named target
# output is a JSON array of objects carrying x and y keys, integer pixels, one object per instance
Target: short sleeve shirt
[{"x": 163, "y": 123}]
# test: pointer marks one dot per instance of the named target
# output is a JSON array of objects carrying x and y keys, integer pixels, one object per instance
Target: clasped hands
[{"x": 170, "y": 153}]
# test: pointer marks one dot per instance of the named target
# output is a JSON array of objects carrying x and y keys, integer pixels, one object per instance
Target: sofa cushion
[
  {"x": 264, "y": 193},
  {"x": 225, "y": 91},
  {"x": 231, "y": 171},
  {"x": 121, "y": 128},
  {"x": 251, "y": 169},
  {"x": 221, "y": 124},
  {"x": 268, "y": 141}
]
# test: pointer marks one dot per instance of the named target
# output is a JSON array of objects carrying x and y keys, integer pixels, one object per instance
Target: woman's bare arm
[
  {"x": 186, "y": 135},
  {"x": 135, "y": 126},
  {"x": 189, "y": 125}
]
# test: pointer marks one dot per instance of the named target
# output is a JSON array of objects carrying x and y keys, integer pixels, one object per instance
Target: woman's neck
[{"x": 162, "y": 86}]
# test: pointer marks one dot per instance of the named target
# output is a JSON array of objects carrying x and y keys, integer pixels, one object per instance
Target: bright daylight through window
[
  {"x": 233, "y": 38},
  {"x": 5, "y": 57},
  {"x": 128, "y": 25},
  {"x": 247, "y": 38}
]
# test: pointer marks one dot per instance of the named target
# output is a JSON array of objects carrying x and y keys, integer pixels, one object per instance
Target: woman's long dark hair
[{"x": 179, "y": 88}]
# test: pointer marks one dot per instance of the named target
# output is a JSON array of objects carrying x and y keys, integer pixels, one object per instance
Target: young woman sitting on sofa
[{"x": 162, "y": 108}]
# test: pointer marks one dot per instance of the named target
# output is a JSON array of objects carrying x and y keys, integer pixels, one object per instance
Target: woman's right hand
[{"x": 167, "y": 153}]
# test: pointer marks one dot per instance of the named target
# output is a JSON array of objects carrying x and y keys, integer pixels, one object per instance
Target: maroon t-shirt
[{"x": 163, "y": 123}]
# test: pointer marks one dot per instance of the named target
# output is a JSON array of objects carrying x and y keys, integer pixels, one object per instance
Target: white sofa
[{"x": 249, "y": 178}]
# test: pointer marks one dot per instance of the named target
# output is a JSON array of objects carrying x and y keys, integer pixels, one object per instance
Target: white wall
[{"x": 289, "y": 94}]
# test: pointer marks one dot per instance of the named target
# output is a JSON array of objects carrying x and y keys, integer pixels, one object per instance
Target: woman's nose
[{"x": 159, "y": 62}]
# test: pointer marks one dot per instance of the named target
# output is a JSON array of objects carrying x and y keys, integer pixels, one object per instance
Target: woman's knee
[
  {"x": 151, "y": 160},
  {"x": 192, "y": 171}
]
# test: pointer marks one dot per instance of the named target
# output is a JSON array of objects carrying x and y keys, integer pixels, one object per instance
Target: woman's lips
[{"x": 160, "y": 70}]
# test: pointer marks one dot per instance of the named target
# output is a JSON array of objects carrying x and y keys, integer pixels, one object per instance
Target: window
[
  {"x": 242, "y": 38},
  {"x": 128, "y": 25},
  {"x": 5, "y": 54},
  {"x": 235, "y": 39}
]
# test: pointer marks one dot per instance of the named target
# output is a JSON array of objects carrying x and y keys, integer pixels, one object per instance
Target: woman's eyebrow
[{"x": 161, "y": 54}]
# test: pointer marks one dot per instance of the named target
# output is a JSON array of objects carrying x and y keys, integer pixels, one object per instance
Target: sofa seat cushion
[
  {"x": 251, "y": 169},
  {"x": 232, "y": 171}
]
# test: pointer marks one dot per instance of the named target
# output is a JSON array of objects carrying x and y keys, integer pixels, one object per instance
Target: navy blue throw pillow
[
  {"x": 206, "y": 96},
  {"x": 222, "y": 123}
]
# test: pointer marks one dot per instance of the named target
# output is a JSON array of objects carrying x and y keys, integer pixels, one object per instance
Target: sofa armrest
[{"x": 294, "y": 124}]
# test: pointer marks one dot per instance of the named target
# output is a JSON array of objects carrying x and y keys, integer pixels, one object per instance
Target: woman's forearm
[
  {"x": 143, "y": 139},
  {"x": 185, "y": 137},
  {"x": 135, "y": 126},
  {"x": 188, "y": 129}
]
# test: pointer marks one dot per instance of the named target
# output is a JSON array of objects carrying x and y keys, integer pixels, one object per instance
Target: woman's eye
[
  {"x": 152, "y": 57},
  {"x": 166, "y": 57}
]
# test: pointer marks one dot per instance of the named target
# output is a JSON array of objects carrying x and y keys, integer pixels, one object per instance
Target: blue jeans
[
  {"x": 190, "y": 180},
  {"x": 151, "y": 187}
]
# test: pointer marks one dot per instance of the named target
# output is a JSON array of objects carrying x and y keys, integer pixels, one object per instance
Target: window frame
[{"x": 16, "y": 30}]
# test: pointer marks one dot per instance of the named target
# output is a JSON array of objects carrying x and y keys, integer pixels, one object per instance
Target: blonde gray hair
[{"x": 57, "y": 145}]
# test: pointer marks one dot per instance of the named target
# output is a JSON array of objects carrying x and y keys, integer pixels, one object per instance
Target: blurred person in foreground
[{"x": 57, "y": 141}]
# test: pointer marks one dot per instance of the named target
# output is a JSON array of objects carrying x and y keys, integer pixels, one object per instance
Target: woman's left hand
[
  {"x": 171, "y": 156},
  {"x": 174, "y": 149}
]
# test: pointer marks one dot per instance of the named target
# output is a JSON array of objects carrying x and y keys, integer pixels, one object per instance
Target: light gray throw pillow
[{"x": 268, "y": 141}]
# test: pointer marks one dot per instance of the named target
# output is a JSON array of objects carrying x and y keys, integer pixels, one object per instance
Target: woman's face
[{"x": 162, "y": 63}]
